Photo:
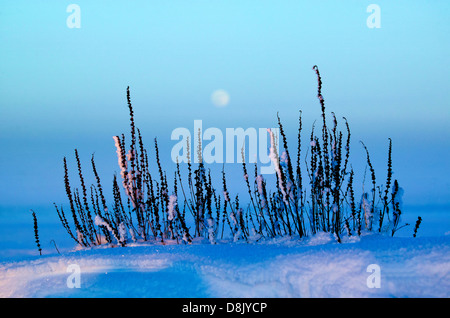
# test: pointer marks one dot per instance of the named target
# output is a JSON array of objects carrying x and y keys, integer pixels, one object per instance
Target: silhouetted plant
[
  {"x": 416, "y": 227},
  {"x": 36, "y": 233},
  {"x": 146, "y": 208}
]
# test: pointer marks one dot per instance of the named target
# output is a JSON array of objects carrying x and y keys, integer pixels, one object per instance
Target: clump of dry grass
[{"x": 146, "y": 208}]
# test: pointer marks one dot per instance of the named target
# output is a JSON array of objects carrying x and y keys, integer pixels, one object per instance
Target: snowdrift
[{"x": 280, "y": 268}]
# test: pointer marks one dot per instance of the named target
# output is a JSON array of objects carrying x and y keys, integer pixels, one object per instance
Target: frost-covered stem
[
  {"x": 171, "y": 213},
  {"x": 97, "y": 211},
  {"x": 100, "y": 221},
  {"x": 122, "y": 161}
]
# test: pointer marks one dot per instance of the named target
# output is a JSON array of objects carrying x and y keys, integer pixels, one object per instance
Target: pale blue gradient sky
[{"x": 64, "y": 88}]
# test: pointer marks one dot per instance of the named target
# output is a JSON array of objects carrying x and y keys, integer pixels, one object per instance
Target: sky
[{"x": 63, "y": 88}]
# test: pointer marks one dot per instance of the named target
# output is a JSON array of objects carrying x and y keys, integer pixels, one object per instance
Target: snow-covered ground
[
  {"x": 317, "y": 266},
  {"x": 312, "y": 267}
]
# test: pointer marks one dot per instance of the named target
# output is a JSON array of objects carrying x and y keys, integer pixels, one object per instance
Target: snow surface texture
[{"x": 287, "y": 267}]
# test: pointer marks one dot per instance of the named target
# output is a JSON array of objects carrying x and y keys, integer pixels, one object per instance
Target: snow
[
  {"x": 171, "y": 207},
  {"x": 315, "y": 266},
  {"x": 284, "y": 267}
]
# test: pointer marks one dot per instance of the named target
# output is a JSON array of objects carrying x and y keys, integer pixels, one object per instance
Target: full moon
[{"x": 220, "y": 98}]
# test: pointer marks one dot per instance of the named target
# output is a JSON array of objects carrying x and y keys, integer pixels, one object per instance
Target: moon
[{"x": 220, "y": 98}]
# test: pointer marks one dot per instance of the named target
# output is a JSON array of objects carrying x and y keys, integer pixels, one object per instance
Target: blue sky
[{"x": 63, "y": 88}]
